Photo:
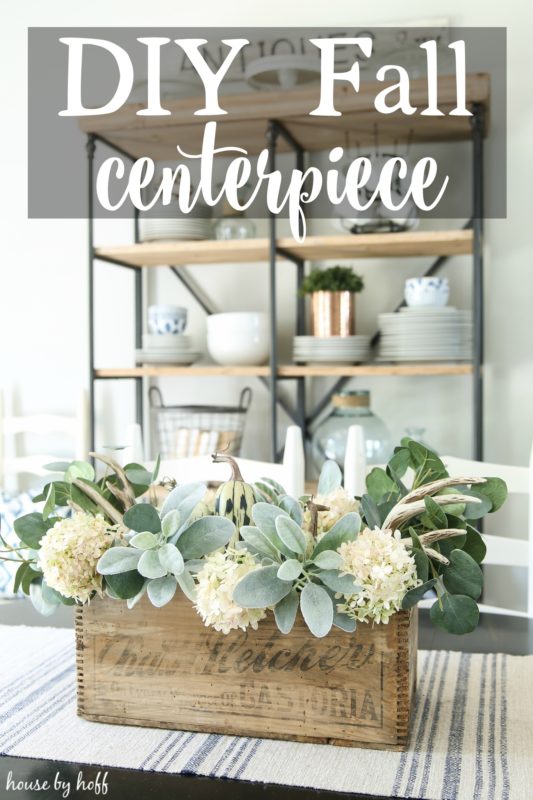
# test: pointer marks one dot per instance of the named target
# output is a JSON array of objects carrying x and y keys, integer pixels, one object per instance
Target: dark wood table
[{"x": 513, "y": 635}]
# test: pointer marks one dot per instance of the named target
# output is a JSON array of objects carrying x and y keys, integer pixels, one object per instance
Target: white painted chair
[
  {"x": 290, "y": 474},
  {"x": 504, "y": 551},
  {"x": 12, "y": 426}
]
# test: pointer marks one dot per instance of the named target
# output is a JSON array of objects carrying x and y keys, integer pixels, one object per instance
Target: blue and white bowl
[
  {"x": 167, "y": 319},
  {"x": 426, "y": 292}
]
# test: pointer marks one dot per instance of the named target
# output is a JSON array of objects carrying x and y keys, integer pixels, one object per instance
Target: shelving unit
[{"x": 285, "y": 118}]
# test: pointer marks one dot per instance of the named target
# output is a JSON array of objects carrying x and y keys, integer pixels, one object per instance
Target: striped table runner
[{"x": 472, "y": 736}]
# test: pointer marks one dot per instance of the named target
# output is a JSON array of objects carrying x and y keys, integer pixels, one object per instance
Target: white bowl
[
  {"x": 238, "y": 338},
  {"x": 163, "y": 320},
  {"x": 427, "y": 291}
]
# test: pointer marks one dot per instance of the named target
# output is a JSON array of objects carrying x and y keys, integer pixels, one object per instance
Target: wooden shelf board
[
  {"x": 288, "y": 370},
  {"x": 244, "y": 125},
  {"x": 349, "y": 246}
]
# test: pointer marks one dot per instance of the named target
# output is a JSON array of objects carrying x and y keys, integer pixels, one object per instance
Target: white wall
[{"x": 43, "y": 316}]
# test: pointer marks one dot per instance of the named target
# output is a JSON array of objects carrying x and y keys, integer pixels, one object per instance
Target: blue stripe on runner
[
  {"x": 425, "y": 719},
  {"x": 426, "y": 669},
  {"x": 249, "y": 756},
  {"x": 24, "y": 678},
  {"x": 225, "y": 755},
  {"x": 181, "y": 747},
  {"x": 434, "y": 726},
  {"x": 43, "y": 719},
  {"x": 492, "y": 729},
  {"x": 174, "y": 740},
  {"x": 454, "y": 757},
  {"x": 506, "y": 787},
  {"x": 245, "y": 743},
  {"x": 156, "y": 750},
  {"x": 21, "y": 722},
  {"x": 25, "y": 701},
  {"x": 480, "y": 736},
  {"x": 202, "y": 753}
]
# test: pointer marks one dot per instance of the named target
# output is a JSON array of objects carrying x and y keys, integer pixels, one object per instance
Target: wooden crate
[{"x": 163, "y": 668}]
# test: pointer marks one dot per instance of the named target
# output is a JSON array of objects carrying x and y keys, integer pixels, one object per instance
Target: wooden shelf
[
  {"x": 290, "y": 370},
  {"x": 244, "y": 124},
  {"x": 349, "y": 246}
]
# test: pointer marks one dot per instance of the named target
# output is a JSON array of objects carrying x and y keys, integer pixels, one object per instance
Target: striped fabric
[{"x": 472, "y": 736}]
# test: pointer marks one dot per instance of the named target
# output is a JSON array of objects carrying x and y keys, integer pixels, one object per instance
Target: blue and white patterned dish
[
  {"x": 427, "y": 291},
  {"x": 167, "y": 319}
]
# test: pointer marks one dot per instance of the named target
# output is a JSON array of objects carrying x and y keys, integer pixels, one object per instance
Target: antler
[
  {"x": 435, "y": 486},
  {"x": 402, "y": 512}
]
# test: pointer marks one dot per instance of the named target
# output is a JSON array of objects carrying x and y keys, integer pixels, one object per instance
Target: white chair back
[
  {"x": 12, "y": 426},
  {"x": 290, "y": 474},
  {"x": 505, "y": 551}
]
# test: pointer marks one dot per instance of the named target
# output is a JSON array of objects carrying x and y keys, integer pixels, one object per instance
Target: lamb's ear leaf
[
  {"x": 258, "y": 541},
  {"x": 330, "y": 478},
  {"x": 290, "y": 570},
  {"x": 171, "y": 559},
  {"x": 317, "y": 609},
  {"x": 179, "y": 494},
  {"x": 345, "y": 529},
  {"x": 187, "y": 585},
  {"x": 161, "y": 590},
  {"x": 292, "y": 507},
  {"x": 205, "y": 535},
  {"x": 345, "y": 584},
  {"x": 291, "y": 534},
  {"x": 265, "y": 515},
  {"x": 285, "y": 611},
  {"x": 261, "y": 588},
  {"x": 117, "y": 560}
]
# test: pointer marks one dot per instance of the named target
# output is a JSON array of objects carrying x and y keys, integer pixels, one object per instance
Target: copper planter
[{"x": 332, "y": 314}]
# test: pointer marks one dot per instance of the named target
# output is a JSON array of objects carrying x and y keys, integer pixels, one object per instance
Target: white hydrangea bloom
[
  {"x": 70, "y": 551},
  {"x": 385, "y": 571},
  {"x": 339, "y": 502},
  {"x": 214, "y": 593}
]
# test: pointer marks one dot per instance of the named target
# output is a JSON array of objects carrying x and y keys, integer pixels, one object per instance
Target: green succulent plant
[{"x": 333, "y": 279}]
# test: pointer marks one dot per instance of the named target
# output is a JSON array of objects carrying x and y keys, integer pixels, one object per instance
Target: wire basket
[{"x": 188, "y": 431}]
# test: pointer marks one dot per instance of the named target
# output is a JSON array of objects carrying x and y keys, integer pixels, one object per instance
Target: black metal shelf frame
[{"x": 298, "y": 415}]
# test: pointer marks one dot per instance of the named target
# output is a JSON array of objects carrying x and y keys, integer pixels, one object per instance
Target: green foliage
[
  {"x": 31, "y": 528},
  {"x": 142, "y": 517},
  {"x": 455, "y": 613},
  {"x": 333, "y": 279},
  {"x": 413, "y": 596},
  {"x": 125, "y": 585},
  {"x": 463, "y": 575}
]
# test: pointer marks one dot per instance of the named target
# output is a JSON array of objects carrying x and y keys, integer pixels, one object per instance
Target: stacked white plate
[
  {"x": 177, "y": 229},
  {"x": 166, "y": 348},
  {"x": 331, "y": 350},
  {"x": 433, "y": 333}
]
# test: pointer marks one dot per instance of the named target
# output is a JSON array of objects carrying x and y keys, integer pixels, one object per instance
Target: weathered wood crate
[{"x": 163, "y": 668}]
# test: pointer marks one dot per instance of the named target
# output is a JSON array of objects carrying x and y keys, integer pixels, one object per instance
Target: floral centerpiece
[{"x": 250, "y": 551}]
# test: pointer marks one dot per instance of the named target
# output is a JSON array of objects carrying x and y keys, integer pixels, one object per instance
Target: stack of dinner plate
[
  {"x": 168, "y": 348},
  {"x": 432, "y": 333},
  {"x": 180, "y": 228},
  {"x": 331, "y": 350}
]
